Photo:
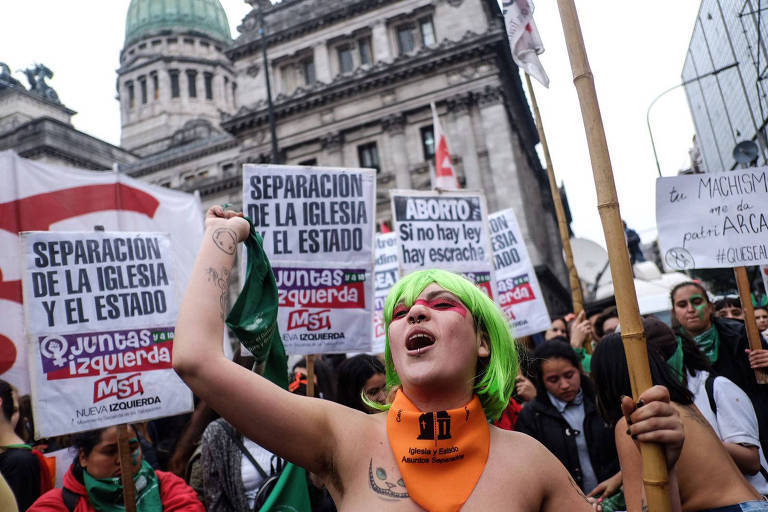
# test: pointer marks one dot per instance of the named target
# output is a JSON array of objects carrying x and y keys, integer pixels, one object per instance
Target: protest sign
[
  {"x": 519, "y": 294},
  {"x": 38, "y": 196},
  {"x": 318, "y": 225},
  {"x": 100, "y": 310},
  {"x": 713, "y": 220},
  {"x": 386, "y": 274},
  {"x": 444, "y": 230}
]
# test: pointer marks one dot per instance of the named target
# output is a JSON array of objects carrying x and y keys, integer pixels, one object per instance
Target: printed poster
[
  {"x": 100, "y": 310},
  {"x": 386, "y": 274},
  {"x": 446, "y": 230},
  {"x": 713, "y": 220},
  {"x": 519, "y": 294},
  {"x": 318, "y": 226}
]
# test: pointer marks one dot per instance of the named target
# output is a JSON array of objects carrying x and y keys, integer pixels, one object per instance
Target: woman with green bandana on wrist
[
  {"x": 725, "y": 344},
  {"x": 93, "y": 481}
]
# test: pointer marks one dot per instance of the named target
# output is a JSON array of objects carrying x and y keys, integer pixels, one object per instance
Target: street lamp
[{"x": 648, "y": 112}]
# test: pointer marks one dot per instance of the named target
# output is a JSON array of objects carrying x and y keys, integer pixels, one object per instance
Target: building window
[
  {"x": 208, "y": 85},
  {"x": 346, "y": 62},
  {"x": 364, "y": 48},
  {"x": 368, "y": 155},
  {"x": 308, "y": 71},
  {"x": 309, "y": 162},
  {"x": 131, "y": 94},
  {"x": 234, "y": 94},
  {"x": 427, "y": 30},
  {"x": 175, "y": 90},
  {"x": 143, "y": 89},
  {"x": 405, "y": 41},
  {"x": 155, "y": 86},
  {"x": 428, "y": 142},
  {"x": 192, "y": 83},
  {"x": 227, "y": 169},
  {"x": 189, "y": 40}
]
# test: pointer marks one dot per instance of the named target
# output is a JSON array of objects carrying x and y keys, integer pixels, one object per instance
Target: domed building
[{"x": 173, "y": 72}]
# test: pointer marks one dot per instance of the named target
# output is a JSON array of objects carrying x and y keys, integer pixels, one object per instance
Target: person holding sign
[
  {"x": 93, "y": 481},
  {"x": 725, "y": 343},
  {"x": 450, "y": 364}
]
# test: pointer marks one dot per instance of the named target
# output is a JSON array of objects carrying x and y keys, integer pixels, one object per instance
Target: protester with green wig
[
  {"x": 451, "y": 364},
  {"x": 93, "y": 481}
]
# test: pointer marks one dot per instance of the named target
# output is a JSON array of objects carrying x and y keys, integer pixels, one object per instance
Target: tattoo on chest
[
  {"x": 225, "y": 239},
  {"x": 578, "y": 489},
  {"x": 221, "y": 280},
  {"x": 377, "y": 479}
]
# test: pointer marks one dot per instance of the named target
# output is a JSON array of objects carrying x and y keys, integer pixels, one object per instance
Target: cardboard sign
[
  {"x": 519, "y": 294},
  {"x": 444, "y": 230},
  {"x": 713, "y": 220},
  {"x": 318, "y": 226},
  {"x": 100, "y": 310}
]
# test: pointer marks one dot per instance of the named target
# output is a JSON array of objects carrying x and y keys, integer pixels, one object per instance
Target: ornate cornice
[
  {"x": 394, "y": 124},
  {"x": 490, "y": 96},
  {"x": 380, "y": 75},
  {"x": 180, "y": 155},
  {"x": 332, "y": 141}
]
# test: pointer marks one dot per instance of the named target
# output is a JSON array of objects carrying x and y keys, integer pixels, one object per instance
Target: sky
[{"x": 636, "y": 51}]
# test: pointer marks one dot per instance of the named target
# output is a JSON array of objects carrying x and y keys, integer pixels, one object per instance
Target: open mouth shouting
[{"x": 418, "y": 341}]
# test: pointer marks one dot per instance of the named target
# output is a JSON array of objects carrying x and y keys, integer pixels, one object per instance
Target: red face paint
[{"x": 442, "y": 303}]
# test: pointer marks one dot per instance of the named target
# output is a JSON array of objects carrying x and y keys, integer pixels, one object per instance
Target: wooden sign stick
[
  {"x": 749, "y": 318},
  {"x": 126, "y": 467},
  {"x": 311, "y": 375},
  {"x": 655, "y": 477},
  {"x": 576, "y": 294}
]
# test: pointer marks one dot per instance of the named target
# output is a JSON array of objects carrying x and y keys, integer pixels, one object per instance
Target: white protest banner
[
  {"x": 519, "y": 294},
  {"x": 446, "y": 230},
  {"x": 386, "y": 272},
  {"x": 713, "y": 220},
  {"x": 38, "y": 196},
  {"x": 318, "y": 225},
  {"x": 100, "y": 310}
]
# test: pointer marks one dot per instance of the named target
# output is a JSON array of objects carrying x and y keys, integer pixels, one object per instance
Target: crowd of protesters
[{"x": 570, "y": 394}]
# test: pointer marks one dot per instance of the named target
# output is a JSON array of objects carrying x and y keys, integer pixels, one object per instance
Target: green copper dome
[{"x": 147, "y": 17}]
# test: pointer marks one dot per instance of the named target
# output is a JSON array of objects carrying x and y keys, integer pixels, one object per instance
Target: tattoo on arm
[
  {"x": 387, "y": 489},
  {"x": 222, "y": 283},
  {"x": 578, "y": 489},
  {"x": 225, "y": 239}
]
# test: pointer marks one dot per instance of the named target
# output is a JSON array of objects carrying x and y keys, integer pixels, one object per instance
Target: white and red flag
[
  {"x": 445, "y": 176},
  {"x": 524, "y": 39}
]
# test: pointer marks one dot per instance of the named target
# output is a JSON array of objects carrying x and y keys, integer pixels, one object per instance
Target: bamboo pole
[
  {"x": 749, "y": 318},
  {"x": 126, "y": 468},
  {"x": 311, "y": 375},
  {"x": 654, "y": 464},
  {"x": 573, "y": 275}
]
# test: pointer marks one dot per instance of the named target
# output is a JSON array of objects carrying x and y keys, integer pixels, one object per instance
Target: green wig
[{"x": 496, "y": 375}]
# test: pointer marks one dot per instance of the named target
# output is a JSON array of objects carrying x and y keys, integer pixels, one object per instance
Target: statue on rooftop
[
  {"x": 6, "y": 79},
  {"x": 36, "y": 76}
]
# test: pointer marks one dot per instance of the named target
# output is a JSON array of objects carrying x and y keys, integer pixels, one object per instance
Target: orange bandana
[{"x": 442, "y": 454}]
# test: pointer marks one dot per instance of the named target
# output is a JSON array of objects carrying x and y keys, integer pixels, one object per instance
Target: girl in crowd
[
  {"x": 705, "y": 475},
  {"x": 361, "y": 375},
  {"x": 564, "y": 418},
  {"x": 93, "y": 481},
  {"x": 761, "y": 319},
  {"x": 725, "y": 344},
  {"x": 722, "y": 403}
]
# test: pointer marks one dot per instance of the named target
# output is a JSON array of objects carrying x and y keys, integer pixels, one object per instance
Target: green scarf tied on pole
[{"x": 253, "y": 318}]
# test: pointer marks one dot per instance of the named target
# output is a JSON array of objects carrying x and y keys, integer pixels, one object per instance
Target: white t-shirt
[
  {"x": 252, "y": 479},
  {"x": 736, "y": 421}
]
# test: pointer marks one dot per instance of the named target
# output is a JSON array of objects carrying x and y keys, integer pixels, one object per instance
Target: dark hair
[
  {"x": 764, "y": 308},
  {"x": 558, "y": 347},
  {"x": 664, "y": 340},
  {"x": 611, "y": 376},
  {"x": 353, "y": 373},
  {"x": 6, "y": 395},
  {"x": 326, "y": 381},
  {"x": 675, "y": 323},
  {"x": 611, "y": 312},
  {"x": 734, "y": 302}
]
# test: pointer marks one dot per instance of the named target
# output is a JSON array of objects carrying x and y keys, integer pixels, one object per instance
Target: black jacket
[
  {"x": 542, "y": 421},
  {"x": 733, "y": 363}
]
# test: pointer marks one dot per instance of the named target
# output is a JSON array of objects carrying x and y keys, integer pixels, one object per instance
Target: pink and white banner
[{"x": 36, "y": 196}]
